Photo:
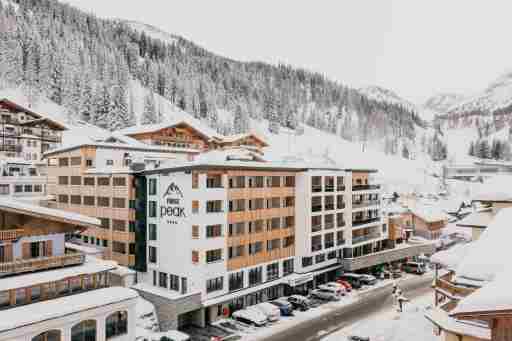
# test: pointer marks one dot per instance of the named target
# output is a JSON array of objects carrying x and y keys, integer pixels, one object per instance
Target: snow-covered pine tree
[
  {"x": 240, "y": 120},
  {"x": 149, "y": 114}
]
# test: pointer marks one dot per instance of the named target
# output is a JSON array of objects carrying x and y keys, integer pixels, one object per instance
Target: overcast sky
[{"x": 416, "y": 48}]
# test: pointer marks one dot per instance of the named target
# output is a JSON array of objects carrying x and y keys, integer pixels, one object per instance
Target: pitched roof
[
  {"x": 195, "y": 124},
  {"x": 429, "y": 214},
  {"x": 38, "y": 116},
  {"x": 237, "y": 137},
  {"x": 477, "y": 219}
]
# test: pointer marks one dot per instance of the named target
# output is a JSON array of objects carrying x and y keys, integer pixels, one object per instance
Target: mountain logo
[{"x": 173, "y": 189}]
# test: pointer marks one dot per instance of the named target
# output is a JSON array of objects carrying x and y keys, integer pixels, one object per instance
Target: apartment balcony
[
  {"x": 362, "y": 204},
  {"x": 42, "y": 263},
  {"x": 15, "y": 148},
  {"x": 446, "y": 285},
  {"x": 364, "y": 187},
  {"x": 364, "y": 238},
  {"x": 358, "y": 223},
  {"x": 6, "y": 235}
]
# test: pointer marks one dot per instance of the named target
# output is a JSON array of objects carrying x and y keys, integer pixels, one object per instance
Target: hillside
[{"x": 442, "y": 102}]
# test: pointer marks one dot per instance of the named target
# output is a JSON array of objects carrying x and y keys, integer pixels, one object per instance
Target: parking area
[{"x": 233, "y": 329}]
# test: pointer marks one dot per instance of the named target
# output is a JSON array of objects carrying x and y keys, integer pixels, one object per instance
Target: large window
[
  {"x": 214, "y": 206},
  {"x": 287, "y": 267},
  {"x": 119, "y": 182},
  {"x": 272, "y": 271},
  {"x": 103, "y": 181},
  {"x": 117, "y": 324},
  {"x": 51, "y": 335},
  {"x": 76, "y": 180},
  {"x": 236, "y": 281},
  {"x": 214, "y": 284},
  {"x": 273, "y": 244},
  {"x": 162, "y": 279},
  {"x": 152, "y": 254},
  {"x": 255, "y": 276},
  {"x": 63, "y": 180},
  {"x": 84, "y": 331},
  {"x": 213, "y": 231},
  {"x": 213, "y": 255},
  {"x": 152, "y": 187},
  {"x": 119, "y": 247},
  {"x": 152, "y": 209},
  {"x": 119, "y": 202},
  {"x": 103, "y": 201}
]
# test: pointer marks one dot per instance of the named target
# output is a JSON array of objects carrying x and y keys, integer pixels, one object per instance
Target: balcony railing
[
  {"x": 360, "y": 239},
  {"x": 11, "y": 234},
  {"x": 316, "y": 188},
  {"x": 43, "y": 263},
  {"x": 366, "y": 221},
  {"x": 341, "y": 188},
  {"x": 445, "y": 283},
  {"x": 364, "y": 187},
  {"x": 359, "y": 204}
]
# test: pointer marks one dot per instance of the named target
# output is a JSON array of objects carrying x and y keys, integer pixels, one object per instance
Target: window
[
  {"x": 18, "y": 188},
  {"x": 88, "y": 163},
  {"x": 152, "y": 232},
  {"x": 328, "y": 221},
  {"x": 236, "y": 251},
  {"x": 76, "y": 161},
  {"x": 255, "y": 248},
  {"x": 316, "y": 223},
  {"x": 28, "y": 188},
  {"x": 236, "y": 281},
  {"x": 88, "y": 181},
  {"x": 103, "y": 181},
  {"x": 76, "y": 200},
  {"x": 214, "y": 181},
  {"x": 329, "y": 184},
  {"x": 109, "y": 162},
  {"x": 63, "y": 180},
  {"x": 339, "y": 238},
  {"x": 63, "y": 162},
  {"x": 237, "y": 205},
  {"x": 328, "y": 240},
  {"x": 152, "y": 187},
  {"x": 255, "y": 276},
  {"x": 119, "y": 225},
  {"x": 340, "y": 183},
  {"x": 213, "y": 255},
  {"x": 307, "y": 261},
  {"x": 272, "y": 271},
  {"x": 273, "y": 244},
  {"x": 51, "y": 335},
  {"x": 162, "y": 279},
  {"x": 256, "y": 226},
  {"x": 103, "y": 202},
  {"x": 287, "y": 267},
  {"x": 105, "y": 243},
  {"x": 289, "y": 202},
  {"x": 119, "y": 202},
  {"x": 4, "y": 189},
  {"x": 195, "y": 180},
  {"x": 289, "y": 181},
  {"x": 105, "y": 223},
  {"x": 316, "y": 204},
  {"x": 88, "y": 200},
  {"x": 340, "y": 202},
  {"x": 38, "y": 188},
  {"x": 340, "y": 221},
  {"x": 195, "y": 206},
  {"x": 63, "y": 198},
  {"x": 273, "y": 224},
  {"x": 195, "y": 256},
  {"x": 84, "y": 331},
  {"x": 288, "y": 222},
  {"x": 152, "y": 209},
  {"x": 214, "y": 206},
  {"x": 174, "y": 282},
  {"x": 319, "y": 258},
  {"x": 316, "y": 243},
  {"x": 119, "y": 247},
  {"x": 273, "y": 181},
  {"x": 331, "y": 255},
  {"x": 119, "y": 182},
  {"x": 132, "y": 204},
  {"x": 316, "y": 184},
  {"x": 116, "y": 324},
  {"x": 214, "y": 284},
  {"x": 329, "y": 203},
  {"x": 213, "y": 231},
  {"x": 236, "y": 229},
  {"x": 237, "y": 182},
  {"x": 274, "y": 202},
  {"x": 288, "y": 241},
  {"x": 256, "y": 182},
  {"x": 152, "y": 254}
]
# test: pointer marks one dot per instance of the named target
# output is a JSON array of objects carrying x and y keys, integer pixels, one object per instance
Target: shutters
[
  {"x": 25, "y": 250},
  {"x": 49, "y": 249},
  {"x": 6, "y": 253}
]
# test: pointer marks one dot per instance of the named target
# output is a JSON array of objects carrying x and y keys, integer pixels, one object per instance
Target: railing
[
  {"x": 359, "y": 204},
  {"x": 25, "y": 265},
  {"x": 316, "y": 188},
  {"x": 11, "y": 234},
  {"x": 366, "y": 221},
  {"x": 364, "y": 187},
  {"x": 364, "y": 238},
  {"x": 445, "y": 283},
  {"x": 341, "y": 188}
]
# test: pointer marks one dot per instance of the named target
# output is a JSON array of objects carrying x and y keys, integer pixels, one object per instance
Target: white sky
[{"x": 416, "y": 48}]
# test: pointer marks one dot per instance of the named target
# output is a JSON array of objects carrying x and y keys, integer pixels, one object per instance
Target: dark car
[
  {"x": 299, "y": 302},
  {"x": 285, "y": 307},
  {"x": 358, "y": 338}
]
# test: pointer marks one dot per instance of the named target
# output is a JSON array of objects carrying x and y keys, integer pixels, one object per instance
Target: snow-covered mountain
[
  {"x": 152, "y": 31},
  {"x": 442, "y": 102},
  {"x": 381, "y": 94}
]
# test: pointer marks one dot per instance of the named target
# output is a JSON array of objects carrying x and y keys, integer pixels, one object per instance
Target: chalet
[
  {"x": 427, "y": 221},
  {"x": 26, "y": 134},
  {"x": 248, "y": 141}
]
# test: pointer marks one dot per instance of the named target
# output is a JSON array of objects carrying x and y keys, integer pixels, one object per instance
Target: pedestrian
[{"x": 401, "y": 300}]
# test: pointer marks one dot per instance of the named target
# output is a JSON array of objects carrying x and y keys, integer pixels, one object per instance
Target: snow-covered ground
[{"x": 390, "y": 325}]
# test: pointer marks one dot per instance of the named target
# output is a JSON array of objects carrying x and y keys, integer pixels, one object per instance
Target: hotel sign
[{"x": 172, "y": 207}]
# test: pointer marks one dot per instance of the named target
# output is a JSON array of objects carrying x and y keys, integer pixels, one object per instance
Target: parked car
[
  {"x": 414, "y": 268},
  {"x": 271, "y": 311},
  {"x": 358, "y": 338},
  {"x": 336, "y": 285},
  {"x": 394, "y": 274},
  {"x": 299, "y": 302},
  {"x": 353, "y": 279},
  {"x": 346, "y": 284},
  {"x": 325, "y": 293},
  {"x": 250, "y": 316},
  {"x": 368, "y": 279},
  {"x": 285, "y": 307}
]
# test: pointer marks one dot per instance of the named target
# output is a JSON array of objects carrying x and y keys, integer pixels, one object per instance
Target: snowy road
[{"x": 334, "y": 323}]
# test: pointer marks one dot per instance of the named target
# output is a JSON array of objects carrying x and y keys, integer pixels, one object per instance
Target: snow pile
[
  {"x": 147, "y": 319},
  {"x": 494, "y": 188},
  {"x": 452, "y": 257},
  {"x": 488, "y": 253}
]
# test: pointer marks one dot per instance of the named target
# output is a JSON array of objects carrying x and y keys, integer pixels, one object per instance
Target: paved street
[{"x": 318, "y": 328}]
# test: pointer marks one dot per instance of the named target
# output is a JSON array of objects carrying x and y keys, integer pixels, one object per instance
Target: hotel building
[
  {"x": 25, "y": 134},
  {"x": 50, "y": 293},
  {"x": 222, "y": 235}
]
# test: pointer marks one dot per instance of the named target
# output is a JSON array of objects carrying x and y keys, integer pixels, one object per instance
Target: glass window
[
  {"x": 236, "y": 281},
  {"x": 272, "y": 271},
  {"x": 51, "y": 335},
  {"x": 213, "y": 255},
  {"x": 103, "y": 181},
  {"x": 63, "y": 162},
  {"x": 117, "y": 324},
  {"x": 152, "y": 209},
  {"x": 152, "y": 187},
  {"x": 174, "y": 282},
  {"x": 84, "y": 331},
  {"x": 288, "y": 267},
  {"x": 63, "y": 180},
  {"x": 213, "y": 231},
  {"x": 103, "y": 202},
  {"x": 162, "y": 279},
  {"x": 255, "y": 276},
  {"x": 89, "y": 200},
  {"x": 119, "y": 202},
  {"x": 119, "y": 225},
  {"x": 89, "y": 181},
  {"x": 152, "y": 254},
  {"x": 307, "y": 261},
  {"x": 76, "y": 200},
  {"x": 76, "y": 161},
  {"x": 63, "y": 198},
  {"x": 118, "y": 181},
  {"x": 152, "y": 231},
  {"x": 214, "y": 284},
  {"x": 119, "y": 247},
  {"x": 76, "y": 180}
]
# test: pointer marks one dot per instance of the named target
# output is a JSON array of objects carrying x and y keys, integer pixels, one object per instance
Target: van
[{"x": 414, "y": 268}]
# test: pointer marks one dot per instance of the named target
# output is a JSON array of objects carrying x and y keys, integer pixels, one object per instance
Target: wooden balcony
[
  {"x": 6, "y": 235},
  {"x": 445, "y": 283},
  {"x": 42, "y": 263}
]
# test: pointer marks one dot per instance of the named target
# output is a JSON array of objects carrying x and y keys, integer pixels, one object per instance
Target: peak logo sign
[{"x": 171, "y": 207}]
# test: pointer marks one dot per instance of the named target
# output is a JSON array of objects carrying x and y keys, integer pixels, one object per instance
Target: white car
[
  {"x": 271, "y": 311},
  {"x": 341, "y": 288},
  {"x": 326, "y": 293},
  {"x": 250, "y": 316}
]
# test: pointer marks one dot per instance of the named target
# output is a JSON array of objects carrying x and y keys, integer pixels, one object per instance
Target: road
[{"x": 318, "y": 328}]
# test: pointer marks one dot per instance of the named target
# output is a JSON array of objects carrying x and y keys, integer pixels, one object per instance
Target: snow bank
[{"x": 452, "y": 257}]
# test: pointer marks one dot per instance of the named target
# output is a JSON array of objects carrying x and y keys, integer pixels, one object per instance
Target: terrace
[{"x": 41, "y": 263}]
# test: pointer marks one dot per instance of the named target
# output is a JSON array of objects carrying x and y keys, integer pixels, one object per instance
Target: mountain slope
[
  {"x": 442, "y": 102},
  {"x": 381, "y": 94}
]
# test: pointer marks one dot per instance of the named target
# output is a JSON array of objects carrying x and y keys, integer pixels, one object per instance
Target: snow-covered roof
[
  {"x": 237, "y": 137},
  {"x": 90, "y": 266},
  {"x": 493, "y": 189},
  {"x": 452, "y": 257},
  {"x": 30, "y": 209},
  {"x": 38, "y": 116},
  {"x": 189, "y": 121},
  {"x": 62, "y": 306},
  {"x": 487, "y": 254},
  {"x": 429, "y": 214},
  {"x": 87, "y": 249},
  {"x": 169, "y": 294},
  {"x": 477, "y": 219},
  {"x": 444, "y": 321},
  {"x": 219, "y": 155}
]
